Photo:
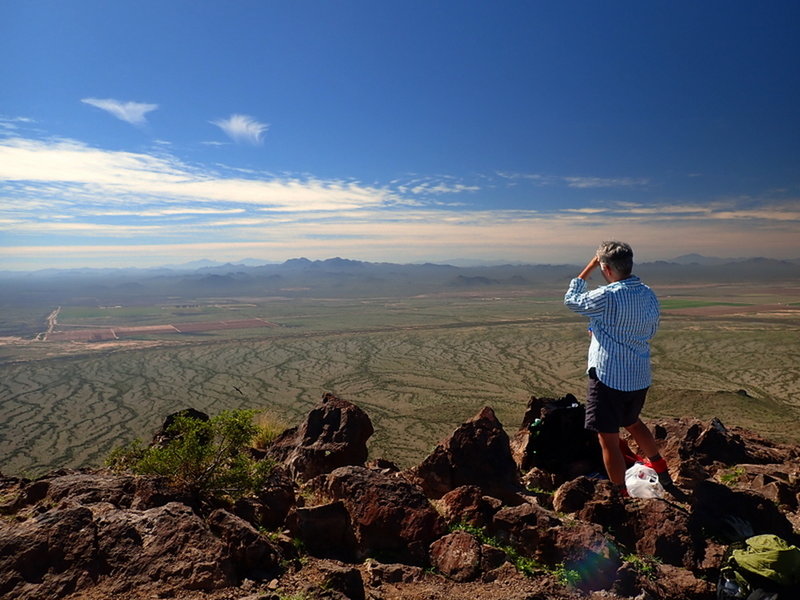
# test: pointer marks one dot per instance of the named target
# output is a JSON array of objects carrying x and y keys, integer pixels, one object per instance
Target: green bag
[{"x": 762, "y": 562}]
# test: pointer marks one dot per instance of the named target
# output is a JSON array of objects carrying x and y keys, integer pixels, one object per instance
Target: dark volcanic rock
[
  {"x": 467, "y": 504},
  {"x": 477, "y": 453},
  {"x": 251, "y": 554},
  {"x": 457, "y": 556},
  {"x": 733, "y": 515},
  {"x": 163, "y": 436},
  {"x": 84, "y": 530},
  {"x": 97, "y": 534},
  {"x": 581, "y": 546},
  {"x": 380, "y": 573},
  {"x": 664, "y": 530},
  {"x": 49, "y": 556},
  {"x": 389, "y": 516},
  {"x": 168, "y": 543},
  {"x": 68, "y": 549},
  {"x": 325, "y": 530},
  {"x": 334, "y": 434},
  {"x": 574, "y": 494},
  {"x": 345, "y": 580}
]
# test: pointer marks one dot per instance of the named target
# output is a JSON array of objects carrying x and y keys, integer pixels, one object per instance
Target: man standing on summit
[{"x": 623, "y": 317}]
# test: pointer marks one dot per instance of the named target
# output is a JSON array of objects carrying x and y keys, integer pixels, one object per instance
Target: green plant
[
  {"x": 298, "y": 596},
  {"x": 644, "y": 565},
  {"x": 537, "y": 490},
  {"x": 524, "y": 564},
  {"x": 201, "y": 456},
  {"x": 731, "y": 477},
  {"x": 124, "y": 457},
  {"x": 568, "y": 577}
]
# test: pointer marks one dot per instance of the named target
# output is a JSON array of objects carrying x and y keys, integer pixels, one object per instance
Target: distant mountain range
[
  {"x": 341, "y": 277},
  {"x": 684, "y": 259}
]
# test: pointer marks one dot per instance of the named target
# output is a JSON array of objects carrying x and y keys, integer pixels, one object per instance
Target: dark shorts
[{"x": 608, "y": 409}]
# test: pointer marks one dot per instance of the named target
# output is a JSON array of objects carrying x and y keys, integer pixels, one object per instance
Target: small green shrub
[
  {"x": 203, "y": 457},
  {"x": 568, "y": 577},
  {"x": 731, "y": 477},
  {"x": 646, "y": 566}
]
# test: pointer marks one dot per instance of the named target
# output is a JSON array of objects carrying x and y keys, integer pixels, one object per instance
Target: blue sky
[{"x": 144, "y": 133}]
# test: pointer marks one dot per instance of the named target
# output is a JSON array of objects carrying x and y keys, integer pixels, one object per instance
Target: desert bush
[{"x": 203, "y": 457}]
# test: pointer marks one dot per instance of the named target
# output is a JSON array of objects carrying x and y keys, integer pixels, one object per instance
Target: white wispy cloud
[
  {"x": 166, "y": 212},
  {"x": 65, "y": 193},
  {"x": 13, "y": 123},
  {"x": 130, "y": 112},
  {"x": 72, "y": 169},
  {"x": 242, "y": 129},
  {"x": 573, "y": 181},
  {"x": 603, "y": 182}
]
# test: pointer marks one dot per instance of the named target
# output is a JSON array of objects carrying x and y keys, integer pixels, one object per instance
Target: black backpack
[{"x": 558, "y": 442}]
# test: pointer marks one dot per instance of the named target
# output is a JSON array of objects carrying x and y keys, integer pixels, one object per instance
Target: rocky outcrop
[
  {"x": 478, "y": 454},
  {"x": 334, "y": 434},
  {"x": 390, "y": 518},
  {"x": 53, "y": 549},
  {"x": 377, "y": 532}
]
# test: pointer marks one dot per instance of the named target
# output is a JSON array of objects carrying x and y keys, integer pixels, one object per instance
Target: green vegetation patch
[
  {"x": 201, "y": 457},
  {"x": 677, "y": 303}
]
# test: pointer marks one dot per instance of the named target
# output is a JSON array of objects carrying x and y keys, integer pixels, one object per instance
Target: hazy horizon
[{"x": 455, "y": 262}]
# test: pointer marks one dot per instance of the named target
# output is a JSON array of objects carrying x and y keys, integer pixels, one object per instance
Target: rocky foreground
[{"x": 473, "y": 520}]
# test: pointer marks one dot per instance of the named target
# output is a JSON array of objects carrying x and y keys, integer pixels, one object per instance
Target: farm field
[{"x": 418, "y": 366}]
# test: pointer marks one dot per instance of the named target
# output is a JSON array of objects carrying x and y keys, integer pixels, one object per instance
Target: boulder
[
  {"x": 457, "y": 556},
  {"x": 71, "y": 547},
  {"x": 711, "y": 445},
  {"x": 251, "y": 554},
  {"x": 334, "y": 434},
  {"x": 380, "y": 573},
  {"x": 51, "y": 551},
  {"x": 732, "y": 515},
  {"x": 169, "y": 544},
  {"x": 467, "y": 504},
  {"x": 344, "y": 580},
  {"x": 574, "y": 494},
  {"x": 390, "y": 517},
  {"x": 538, "y": 533},
  {"x": 163, "y": 436},
  {"x": 49, "y": 556},
  {"x": 524, "y": 528},
  {"x": 276, "y": 498},
  {"x": 325, "y": 530},
  {"x": 664, "y": 530},
  {"x": 477, "y": 453},
  {"x": 676, "y": 583}
]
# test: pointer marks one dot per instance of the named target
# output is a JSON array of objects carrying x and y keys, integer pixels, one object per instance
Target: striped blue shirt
[{"x": 623, "y": 317}]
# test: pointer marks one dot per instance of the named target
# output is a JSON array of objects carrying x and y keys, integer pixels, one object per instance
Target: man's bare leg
[
  {"x": 612, "y": 458},
  {"x": 644, "y": 438}
]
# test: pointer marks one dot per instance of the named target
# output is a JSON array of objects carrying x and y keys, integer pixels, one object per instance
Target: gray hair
[{"x": 617, "y": 255}]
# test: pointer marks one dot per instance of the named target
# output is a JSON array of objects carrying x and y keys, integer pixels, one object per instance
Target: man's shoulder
[{"x": 632, "y": 282}]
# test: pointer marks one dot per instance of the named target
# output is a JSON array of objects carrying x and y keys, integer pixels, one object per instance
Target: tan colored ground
[{"x": 418, "y": 366}]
